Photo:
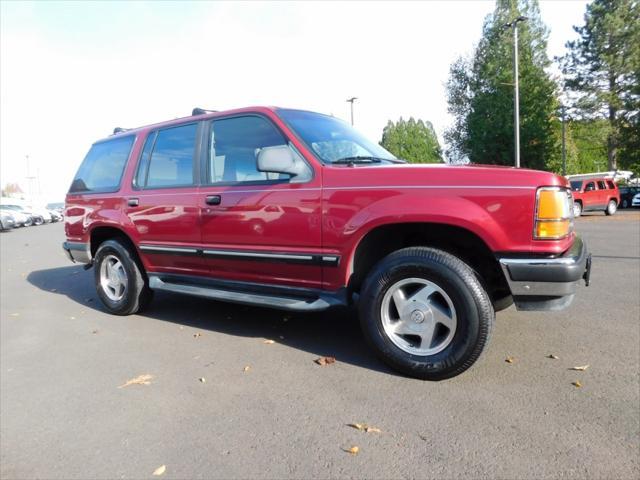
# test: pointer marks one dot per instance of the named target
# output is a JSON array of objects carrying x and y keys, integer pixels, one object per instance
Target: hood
[{"x": 445, "y": 175}]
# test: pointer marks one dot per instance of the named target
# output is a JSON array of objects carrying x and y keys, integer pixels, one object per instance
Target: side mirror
[{"x": 282, "y": 159}]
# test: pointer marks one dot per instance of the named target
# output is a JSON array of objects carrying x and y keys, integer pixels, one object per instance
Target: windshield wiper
[{"x": 358, "y": 159}]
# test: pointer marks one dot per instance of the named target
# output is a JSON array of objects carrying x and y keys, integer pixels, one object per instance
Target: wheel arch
[{"x": 459, "y": 241}]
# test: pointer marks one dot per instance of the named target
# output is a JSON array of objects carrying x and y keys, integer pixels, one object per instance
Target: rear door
[
  {"x": 257, "y": 227},
  {"x": 163, "y": 206}
]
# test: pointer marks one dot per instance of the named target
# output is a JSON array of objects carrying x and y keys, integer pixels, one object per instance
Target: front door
[{"x": 257, "y": 227}]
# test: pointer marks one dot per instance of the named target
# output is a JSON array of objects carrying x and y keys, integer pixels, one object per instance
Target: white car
[{"x": 636, "y": 200}]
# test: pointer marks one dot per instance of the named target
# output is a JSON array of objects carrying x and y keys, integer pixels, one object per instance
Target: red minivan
[{"x": 595, "y": 194}]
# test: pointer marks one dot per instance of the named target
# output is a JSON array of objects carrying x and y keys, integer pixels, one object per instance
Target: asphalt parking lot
[{"x": 63, "y": 359}]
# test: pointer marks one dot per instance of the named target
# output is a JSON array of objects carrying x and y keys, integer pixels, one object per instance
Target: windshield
[
  {"x": 332, "y": 139},
  {"x": 576, "y": 185}
]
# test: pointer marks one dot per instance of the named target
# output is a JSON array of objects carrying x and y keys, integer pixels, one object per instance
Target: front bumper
[
  {"x": 547, "y": 283},
  {"x": 78, "y": 252}
]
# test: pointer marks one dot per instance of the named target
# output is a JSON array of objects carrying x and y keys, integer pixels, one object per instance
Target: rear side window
[
  {"x": 102, "y": 168},
  {"x": 167, "y": 158},
  {"x": 612, "y": 185},
  {"x": 602, "y": 185}
]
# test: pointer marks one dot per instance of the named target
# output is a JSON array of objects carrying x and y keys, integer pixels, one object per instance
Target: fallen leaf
[
  {"x": 139, "y": 380},
  {"x": 325, "y": 360},
  {"x": 576, "y": 384},
  {"x": 357, "y": 426},
  {"x": 160, "y": 470},
  {"x": 372, "y": 430},
  {"x": 202, "y": 380},
  {"x": 509, "y": 359},
  {"x": 553, "y": 357},
  {"x": 269, "y": 342},
  {"x": 246, "y": 369},
  {"x": 196, "y": 335},
  {"x": 353, "y": 450},
  {"x": 581, "y": 368}
]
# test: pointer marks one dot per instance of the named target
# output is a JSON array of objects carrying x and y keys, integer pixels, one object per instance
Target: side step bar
[{"x": 225, "y": 291}]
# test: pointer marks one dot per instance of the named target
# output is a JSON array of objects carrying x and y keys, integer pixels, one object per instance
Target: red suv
[
  {"x": 595, "y": 194},
  {"x": 296, "y": 210}
]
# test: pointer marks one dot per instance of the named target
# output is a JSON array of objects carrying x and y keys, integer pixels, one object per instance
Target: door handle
[
  {"x": 133, "y": 202},
  {"x": 213, "y": 200}
]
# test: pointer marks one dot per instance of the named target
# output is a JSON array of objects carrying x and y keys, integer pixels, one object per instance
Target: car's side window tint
[
  {"x": 612, "y": 186},
  {"x": 102, "y": 168},
  {"x": 590, "y": 186},
  {"x": 601, "y": 185},
  {"x": 234, "y": 145},
  {"x": 171, "y": 161}
]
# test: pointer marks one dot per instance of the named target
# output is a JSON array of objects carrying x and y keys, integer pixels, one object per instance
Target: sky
[{"x": 72, "y": 71}]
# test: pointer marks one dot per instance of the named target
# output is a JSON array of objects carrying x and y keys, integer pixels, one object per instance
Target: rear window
[
  {"x": 102, "y": 168},
  {"x": 611, "y": 184}
]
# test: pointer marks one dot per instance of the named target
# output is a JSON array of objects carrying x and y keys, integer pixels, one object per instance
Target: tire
[
  {"x": 577, "y": 209},
  {"x": 128, "y": 292},
  {"x": 38, "y": 221},
  {"x": 456, "y": 291},
  {"x": 612, "y": 207},
  {"x": 625, "y": 203}
]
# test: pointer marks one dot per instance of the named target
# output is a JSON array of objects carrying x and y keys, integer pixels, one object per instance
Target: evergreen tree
[
  {"x": 413, "y": 141},
  {"x": 602, "y": 74},
  {"x": 480, "y": 94}
]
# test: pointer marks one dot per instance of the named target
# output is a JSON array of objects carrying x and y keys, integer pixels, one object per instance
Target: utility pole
[
  {"x": 516, "y": 95},
  {"x": 351, "y": 100},
  {"x": 564, "y": 145}
]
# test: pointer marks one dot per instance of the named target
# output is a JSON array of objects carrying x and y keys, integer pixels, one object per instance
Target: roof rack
[
  {"x": 201, "y": 111},
  {"x": 119, "y": 130}
]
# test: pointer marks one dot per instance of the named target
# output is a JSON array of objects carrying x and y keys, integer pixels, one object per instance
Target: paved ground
[{"x": 62, "y": 359}]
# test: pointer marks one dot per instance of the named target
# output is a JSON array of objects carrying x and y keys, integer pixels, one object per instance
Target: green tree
[
  {"x": 413, "y": 141},
  {"x": 602, "y": 75},
  {"x": 480, "y": 94}
]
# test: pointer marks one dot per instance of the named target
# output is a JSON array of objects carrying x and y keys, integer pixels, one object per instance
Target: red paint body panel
[{"x": 328, "y": 215}]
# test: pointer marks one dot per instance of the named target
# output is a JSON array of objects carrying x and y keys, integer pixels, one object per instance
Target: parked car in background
[
  {"x": 20, "y": 219},
  {"x": 56, "y": 216},
  {"x": 7, "y": 221},
  {"x": 635, "y": 202},
  {"x": 594, "y": 194},
  {"x": 36, "y": 219},
  {"x": 627, "y": 194},
  {"x": 56, "y": 206}
]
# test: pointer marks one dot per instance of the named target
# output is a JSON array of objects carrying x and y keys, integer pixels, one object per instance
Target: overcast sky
[{"x": 71, "y": 72}]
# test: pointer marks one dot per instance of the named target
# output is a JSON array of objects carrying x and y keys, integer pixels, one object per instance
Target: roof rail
[
  {"x": 201, "y": 111},
  {"x": 119, "y": 130}
]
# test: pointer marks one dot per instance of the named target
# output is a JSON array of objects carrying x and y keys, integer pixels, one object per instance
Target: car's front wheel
[
  {"x": 612, "y": 207},
  {"x": 577, "y": 209},
  {"x": 425, "y": 313},
  {"x": 120, "y": 280}
]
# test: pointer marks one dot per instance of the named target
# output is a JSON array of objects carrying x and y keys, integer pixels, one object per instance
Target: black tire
[
  {"x": 577, "y": 209},
  {"x": 625, "y": 203},
  {"x": 137, "y": 293},
  {"x": 612, "y": 207},
  {"x": 471, "y": 302},
  {"x": 38, "y": 221}
]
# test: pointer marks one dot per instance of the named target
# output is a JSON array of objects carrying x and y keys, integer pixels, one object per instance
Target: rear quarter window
[
  {"x": 102, "y": 168},
  {"x": 611, "y": 184}
]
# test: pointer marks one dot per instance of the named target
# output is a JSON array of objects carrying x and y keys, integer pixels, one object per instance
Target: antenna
[{"x": 201, "y": 111}]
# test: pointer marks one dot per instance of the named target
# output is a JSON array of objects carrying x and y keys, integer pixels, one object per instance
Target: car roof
[{"x": 181, "y": 120}]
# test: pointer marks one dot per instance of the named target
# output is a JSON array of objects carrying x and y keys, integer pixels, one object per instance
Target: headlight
[{"x": 554, "y": 213}]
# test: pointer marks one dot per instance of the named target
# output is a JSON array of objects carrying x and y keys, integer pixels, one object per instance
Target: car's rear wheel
[
  {"x": 425, "y": 313},
  {"x": 625, "y": 203},
  {"x": 120, "y": 280},
  {"x": 577, "y": 209},
  {"x": 38, "y": 221},
  {"x": 612, "y": 207}
]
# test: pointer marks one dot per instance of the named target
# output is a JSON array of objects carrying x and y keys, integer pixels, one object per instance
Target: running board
[{"x": 226, "y": 293}]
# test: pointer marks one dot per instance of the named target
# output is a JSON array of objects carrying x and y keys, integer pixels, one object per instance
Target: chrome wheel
[
  {"x": 612, "y": 207},
  {"x": 113, "y": 278},
  {"x": 577, "y": 209},
  {"x": 418, "y": 316}
]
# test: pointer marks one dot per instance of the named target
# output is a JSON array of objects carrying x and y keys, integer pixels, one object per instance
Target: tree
[
  {"x": 602, "y": 74},
  {"x": 413, "y": 141},
  {"x": 480, "y": 94}
]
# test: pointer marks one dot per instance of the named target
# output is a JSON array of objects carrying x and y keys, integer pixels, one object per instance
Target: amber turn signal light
[{"x": 554, "y": 215}]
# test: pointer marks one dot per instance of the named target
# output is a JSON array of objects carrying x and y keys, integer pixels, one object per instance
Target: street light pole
[
  {"x": 564, "y": 147},
  {"x": 516, "y": 95},
  {"x": 351, "y": 100}
]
